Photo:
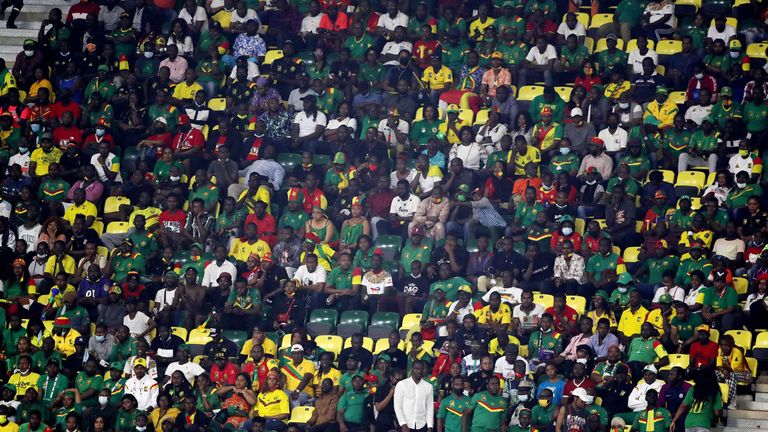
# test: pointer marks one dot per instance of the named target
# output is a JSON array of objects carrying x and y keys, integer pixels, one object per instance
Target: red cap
[
  {"x": 183, "y": 119},
  {"x": 378, "y": 252},
  {"x": 598, "y": 141}
]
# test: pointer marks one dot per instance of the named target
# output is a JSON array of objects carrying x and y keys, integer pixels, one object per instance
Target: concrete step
[
  {"x": 761, "y": 397},
  {"x": 762, "y": 379},
  {"x": 743, "y": 413},
  {"x": 754, "y": 406},
  {"x": 746, "y": 423},
  {"x": 761, "y": 387},
  {"x": 729, "y": 428}
]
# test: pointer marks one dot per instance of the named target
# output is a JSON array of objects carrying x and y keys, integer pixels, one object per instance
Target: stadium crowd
[{"x": 381, "y": 215}]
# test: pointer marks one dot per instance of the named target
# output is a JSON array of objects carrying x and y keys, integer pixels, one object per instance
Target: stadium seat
[
  {"x": 601, "y": 45},
  {"x": 741, "y": 285},
  {"x": 590, "y": 44},
  {"x": 288, "y": 160},
  {"x": 581, "y": 17},
  {"x": 465, "y": 114},
  {"x": 752, "y": 363},
  {"x": 410, "y": 321},
  {"x": 217, "y": 104},
  {"x": 351, "y": 322},
  {"x": 98, "y": 226},
  {"x": 103, "y": 251},
  {"x": 743, "y": 339},
  {"x": 367, "y": 343},
  {"x": 677, "y": 360},
  {"x": 724, "y": 392},
  {"x": 420, "y": 114},
  {"x": 668, "y": 176},
  {"x": 690, "y": 182},
  {"x": 237, "y": 336},
  {"x": 482, "y": 117},
  {"x": 714, "y": 335},
  {"x": 112, "y": 204},
  {"x": 199, "y": 336},
  {"x": 580, "y": 225},
  {"x": 577, "y": 302},
  {"x": 545, "y": 300},
  {"x": 632, "y": 45},
  {"x": 180, "y": 332},
  {"x": 390, "y": 246},
  {"x": 729, "y": 21},
  {"x": 382, "y": 323},
  {"x": 758, "y": 50},
  {"x": 639, "y": 226},
  {"x": 687, "y": 7},
  {"x": 301, "y": 414},
  {"x": 331, "y": 343},
  {"x": 271, "y": 56},
  {"x": 631, "y": 254},
  {"x": 118, "y": 227},
  {"x": 321, "y": 160},
  {"x": 528, "y": 92},
  {"x": 322, "y": 321},
  {"x": 599, "y": 20},
  {"x": 760, "y": 349},
  {"x": 677, "y": 97},
  {"x": 669, "y": 47},
  {"x": 564, "y": 92},
  {"x": 381, "y": 345}
]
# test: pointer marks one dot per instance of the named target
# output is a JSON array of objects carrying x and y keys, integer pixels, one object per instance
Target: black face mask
[{"x": 404, "y": 61}]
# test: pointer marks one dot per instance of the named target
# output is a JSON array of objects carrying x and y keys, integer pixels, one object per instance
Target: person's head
[
  {"x": 417, "y": 371},
  {"x": 545, "y": 397}
]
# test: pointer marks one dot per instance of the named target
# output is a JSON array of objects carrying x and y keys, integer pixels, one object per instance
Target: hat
[
  {"x": 497, "y": 55},
  {"x": 196, "y": 245},
  {"x": 140, "y": 361},
  {"x": 598, "y": 141},
  {"x": 295, "y": 195},
  {"x": 103, "y": 68},
  {"x": 62, "y": 322},
  {"x": 19, "y": 262},
  {"x": 394, "y": 112},
  {"x": 29, "y": 43},
  {"x": 650, "y": 368},
  {"x": 378, "y": 252},
  {"x": 311, "y": 237},
  {"x": 703, "y": 328},
  {"x": 726, "y": 92},
  {"x": 566, "y": 218},
  {"x": 125, "y": 15},
  {"x": 665, "y": 298},
  {"x": 309, "y": 97},
  {"x": 577, "y": 112},
  {"x": 114, "y": 289},
  {"x": 624, "y": 279},
  {"x": 580, "y": 393},
  {"x": 660, "y": 194},
  {"x": 185, "y": 347},
  {"x": 385, "y": 357},
  {"x": 463, "y": 188},
  {"x": 339, "y": 158},
  {"x": 661, "y": 90},
  {"x": 10, "y": 387},
  {"x": 611, "y": 36},
  {"x": 161, "y": 120},
  {"x": 357, "y": 201},
  {"x": 117, "y": 365},
  {"x": 546, "y": 110},
  {"x": 79, "y": 340},
  {"x": 696, "y": 245},
  {"x": 46, "y": 136},
  {"x": 603, "y": 294},
  {"x": 453, "y": 110},
  {"x": 297, "y": 348},
  {"x": 734, "y": 45},
  {"x": 417, "y": 230},
  {"x": 465, "y": 289},
  {"x": 183, "y": 119}
]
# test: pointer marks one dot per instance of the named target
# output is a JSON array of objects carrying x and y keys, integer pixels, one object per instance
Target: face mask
[
  {"x": 734, "y": 54},
  {"x": 100, "y": 132},
  {"x": 743, "y": 153},
  {"x": 29, "y": 53},
  {"x": 582, "y": 361},
  {"x": 567, "y": 231},
  {"x": 523, "y": 398},
  {"x": 543, "y": 403},
  {"x": 591, "y": 182},
  {"x": 565, "y": 150},
  {"x": 622, "y": 290},
  {"x": 741, "y": 185},
  {"x": 175, "y": 178},
  {"x": 372, "y": 167},
  {"x": 101, "y": 338},
  {"x": 699, "y": 76},
  {"x": 103, "y": 400},
  {"x": 403, "y": 62},
  {"x": 589, "y": 399},
  {"x": 35, "y": 127},
  {"x": 587, "y": 71},
  {"x": 23, "y": 149},
  {"x": 623, "y": 105},
  {"x": 141, "y": 428}
]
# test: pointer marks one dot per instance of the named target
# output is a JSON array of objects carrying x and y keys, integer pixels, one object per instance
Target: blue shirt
[{"x": 556, "y": 387}]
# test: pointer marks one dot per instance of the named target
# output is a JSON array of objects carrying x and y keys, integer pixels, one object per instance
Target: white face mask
[
  {"x": 734, "y": 54},
  {"x": 175, "y": 178},
  {"x": 101, "y": 338},
  {"x": 23, "y": 149},
  {"x": 591, "y": 182},
  {"x": 103, "y": 400},
  {"x": 148, "y": 54},
  {"x": 565, "y": 150},
  {"x": 622, "y": 290},
  {"x": 141, "y": 428},
  {"x": 741, "y": 185},
  {"x": 567, "y": 231},
  {"x": 523, "y": 397},
  {"x": 100, "y": 132},
  {"x": 623, "y": 105},
  {"x": 581, "y": 360},
  {"x": 699, "y": 75},
  {"x": 29, "y": 53}
]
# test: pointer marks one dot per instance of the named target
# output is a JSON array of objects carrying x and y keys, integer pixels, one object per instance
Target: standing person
[
  {"x": 414, "y": 401},
  {"x": 702, "y": 405},
  {"x": 487, "y": 409}
]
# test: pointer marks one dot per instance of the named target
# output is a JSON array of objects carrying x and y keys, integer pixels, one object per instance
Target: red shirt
[
  {"x": 81, "y": 10},
  {"x": 568, "y": 313},
  {"x": 261, "y": 371},
  {"x": 443, "y": 364},
  {"x": 703, "y": 355},
  {"x": 558, "y": 238},
  {"x": 265, "y": 227},
  {"x": 253, "y": 152},
  {"x": 224, "y": 376},
  {"x": 62, "y": 136},
  {"x": 192, "y": 139},
  {"x": 380, "y": 202},
  {"x": 173, "y": 221},
  {"x": 93, "y": 141},
  {"x": 423, "y": 50},
  {"x": 311, "y": 199},
  {"x": 570, "y": 386},
  {"x": 340, "y": 24},
  {"x": 546, "y": 197},
  {"x": 59, "y": 108}
]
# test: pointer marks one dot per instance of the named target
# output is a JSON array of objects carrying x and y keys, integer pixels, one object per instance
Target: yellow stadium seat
[
  {"x": 601, "y": 19},
  {"x": 285, "y": 342},
  {"x": 118, "y": 227},
  {"x": 428, "y": 345},
  {"x": 198, "y": 359},
  {"x": 103, "y": 251},
  {"x": 205, "y": 131},
  {"x": 669, "y": 47},
  {"x": 420, "y": 114},
  {"x": 199, "y": 336},
  {"x": 677, "y": 97},
  {"x": 602, "y": 223},
  {"x": 691, "y": 5},
  {"x": 301, "y": 414},
  {"x": 761, "y": 341},
  {"x": 590, "y": 44},
  {"x": 631, "y": 254},
  {"x": 381, "y": 345},
  {"x": 601, "y": 45},
  {"x": 330, "y": 343},
  {"x": 577, "y": 302},
  {"x": 581, "y": 17},
  {"x": 98, "y": 226},
  {"x": 615, "y": 249},
  {"x": 632, "y": 45},
  {"x": 711, "y": 177},
  {"x": 743, "y": 339},
  {"x": 724, "y": 392},
  {"x": 43, "y": 299},
  {"x": 271, "y": 56},
  {"x": 180, "y": 332},
  {"x": 678, "y": 360},
  {"x": 465, "y": 114},
  {"x": 564, "y": 92},
  {"x": 729, "y": 21},
  {"x": 741, "y": 285},
  {"x": 217, "y": 104},
  {"x": 580, "y": 225},
  {"x": 545, "y": 300},
  {"x": 661, "y": 70},
  {"x": 752, "y": 363},
  {"x": 695, "y": 203},
  {"x": 367, "y": 343},
  {"x": 714, "y": 335},
  {"x": 482, "y": 116},
  {"x": 758, "y": 50},
  {"x": 528, "y": 92},
  {"x": 112, "y": 204},
  {"x": 691, "y": 179},
  {"x": 22, "y": 95},
  {"x": 639, "y": 225},
  {"x": 667, "y": 176},
  {"x": 411, "y": 320}
]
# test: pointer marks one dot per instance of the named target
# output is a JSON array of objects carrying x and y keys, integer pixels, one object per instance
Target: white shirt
[
  {"x": 151, "y": 369},
  {"x": 697, "y": 113},
  {"x": 659, "y": 10},
  {"x": 310, "y": 24},
  {"x": 249, "y": 15},
  {"x": 30, "y": 235},
  {"x": 390, "y": 23},
  {"x": 393, "y": 178},
  {"x": 190, "y": 369},
  {"x": 389, "y": 134},
  {"x": 636, "y": 401},
  {"x": 494, "y": 134},
  {"x": 200, "y": 15},
  {"x": 737, "y": 163},
  {"x": 471, "y": 155},
  {"x": 294, "y": 98},
  {"x": 253, "y": 71},
  {"x": 541, "y": 58},
  {"x": 635, "y": 59},
  {"x": 138, "y": 325},
  {"x": 691, "y": 297},
  {"x": 5, "y": 209},
  {"x": 508, "y": 295},
  {"x": 213, "y": 271},
  {"x": 108, "y": 161},
  {"x": 164, "y": 298},
  {"x": 725, "y": 35},
  {"x": 145, "y": 391},
  {"x": 530, "y": 319},
  {"x": 461, "y": 312},
  {"x": 506, "y": 369},
  {"x": 414, "y": 402},
  {"x": 428, "y": 183},
  {"x": 566, "y": 31},
  {"x": 307, "y": 278},
  {"x": 405, "y": 208},
  {"x": 21, "y": 160},
  {"x": 394, "y": 48},
  {"x": 614, "y": 141},
  {"x": 728, "y": 248},
  {"x": 677, "y": 293},
  {"x": 308, "y": 124},
  {"x": 349, "y": 122}
]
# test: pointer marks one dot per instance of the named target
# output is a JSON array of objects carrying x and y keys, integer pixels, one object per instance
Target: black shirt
[
  {"x": 399, "y": 359},
  {"x": 386, "y": 419},
  {"x": 479, "y": 380},
  {"x": 414, "y": 286},
  {"x": 508, "y": 261},
  {"x": 543, "y": 267},
  {"x": 224, "y": 345},
  {"x": 466, "y": 338},
  {"x": 440, "y": 256},
  {"x": 363, "y": 356}
]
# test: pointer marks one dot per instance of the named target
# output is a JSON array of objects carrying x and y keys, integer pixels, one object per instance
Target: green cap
[
  {"x": 566, "y": 218},
  {"x": 662, "y": 90},
  {"x": 103, "y": 68},
  {"x": 185, "y": 347},
  {"x": 603, "y": 294},
  {"x": 726, "y": 91},
  {"x": 197, "y": 245},
  {"x": 665, "y": 298},
  {"x": 29, "y": 42},
  {"x": 463, "y": 188},
  {"x": 117, "y": 365},
  {"x": 624, "y": 279},
  {"x": 339, "y": 158},
  {"x": 10, "y": 387},
  {"x": 384, "y": 356},
  {"x": 684, "y": 197}
]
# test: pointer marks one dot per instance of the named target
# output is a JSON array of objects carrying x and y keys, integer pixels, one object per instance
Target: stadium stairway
[
  {"x": 751, "y": 414},
  {"x": 32, "y": 14}
]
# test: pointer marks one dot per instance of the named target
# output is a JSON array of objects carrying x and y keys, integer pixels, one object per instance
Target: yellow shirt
[
  {"x": 735, "y": 360},
  {"x": 630, "y": 323},
  {"x": 272, "y": 403},
  {"x": 66, "y": 344},
  {"x": 704, "y": 236},
  {"x": 261, "y": 194},
  {"x": 10, "y": 427},
  {"x": 149, "y": 213},
  {"x": 157, "y": 421},
  {"x": 501, "y": 316},
  {"x": 450, "y": 135},
  {"x": 34, "y": 89},
  {"x": 334, "y": 375},
  {"x": 439, "y": 80},
  {"x": 531, "y": 154},
  {"x": 269, "y": 348},
  {"x": 224, "y": 18},
  {"x": 654, "y": 317},
  {"x": 241, "y": 249},
  {"x": 44, "y": 160},
  {"x": 477, "y": 28},
  {"x": 67, "y": 264},
  {"x": 595, "y": 318},
  {"x": 294, "y": 373},
  {"x": 324, "y": 255},
  {"x": 86, "y": 209},
  {"x": 664, "y": 113},
  {"x": 186, "y": 91},
  {"x": 23, "y": 382}
]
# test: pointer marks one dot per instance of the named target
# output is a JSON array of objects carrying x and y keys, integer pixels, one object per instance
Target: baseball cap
[
  {"x": 576, "y": 112},
  {"x": 650, "y": 368},
  {"x": 665, "y": 298},
  {"x": 465, "y": 288},
  {"x": 580, "y": 393},
  {"x": 297, "y": 348},
  {"x": 704, "y": 328},
  {"x": 624, "y": 279},
  {"x": 140, "y": 361}
]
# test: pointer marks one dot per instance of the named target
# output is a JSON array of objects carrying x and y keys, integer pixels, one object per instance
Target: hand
[
  {"x": 672, "y": 427},
  {"x": 295, "y": 395}
]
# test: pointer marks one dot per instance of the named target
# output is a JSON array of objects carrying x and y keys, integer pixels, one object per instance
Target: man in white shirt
[
  {"x": 697, "y": 113},
  {"x": 142, "y": 386},
  {"x": 217, "y": 267},
  {"x": 191, "y": 370},
  {"x": 391, "y": 20},
  {"x": 308, "y": 125},
  {"x": 721, "y": 31},
  {"x": 393, "y": 130},
  {"x": 614, "y": 136},
  {"x": 391, "y": 50},
  {"x": 741, "y": 161},
  {"x": 296, "y": 97},
  {"x": 414, "y": 401},
  {"x": 636, "y": 57},
  {"x": 539, "y": 61},
  {"x": 402, "y": 208},
  {"x": 636, "y": 401},
  {"x": 311, "y": 23},
  {"x": 310, "y": 273},
  {"x": 571, "y": 26}
]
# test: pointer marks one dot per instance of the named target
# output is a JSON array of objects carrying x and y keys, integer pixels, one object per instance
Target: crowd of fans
[{"x": 383, "y": 215}]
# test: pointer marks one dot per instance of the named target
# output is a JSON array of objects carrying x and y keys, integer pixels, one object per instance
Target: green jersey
[
  {"x": 116, "y": 389},
  {"x": 340, "y": 279},
  {"x": 295, "y": 220},
  {"x": 411, "y": 253},
  {"x": 561, "y": 163},
  {"x": 525, "y": 214},
  {"x": 51, "y": 387},
  {"x": 451, "y": 411},
  {"x": 358, "y": 47},
  {"x": 144, "y": 242},
  {"x": 738, "y": 198},
  {"x": 701, "y": 413},
  {"x": 657, "y": 419},
  {"x": 676, "y": 142},
  {"x": 657, "y": 266},
  {"x": 722, "y": 113},
  {"x": 606, "y": 59},
  {"x": 449, "y": 286},
  {"x": 705, "y": 143},
  {"x": 353, "y": 403},
  {"x": 756, "y": 116},
  {"x": 599, "y": 263},
  {"x": 630, "y": 11},
  {"x": 489, "y": 411},
  {"x": 683, "y": 275},
  {"x": 53, "y": 190},
  {"x": 686, "y": 329},
  {"x": 721, "y": 301},
  {"x": 423, "y": 130},
  {"x": 85, "y": 383},
  {"x": 636, "y": 164},
  {"x": 545, "y": 346}
]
